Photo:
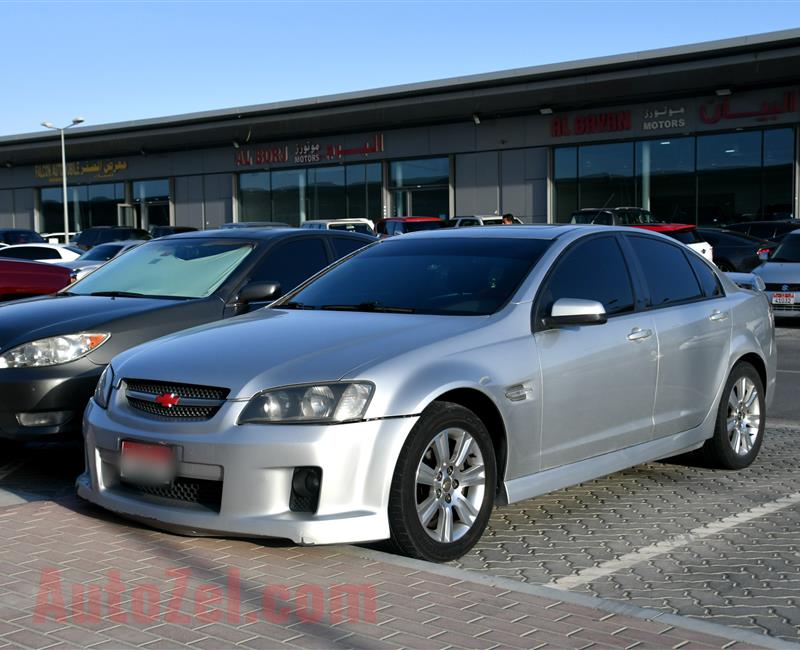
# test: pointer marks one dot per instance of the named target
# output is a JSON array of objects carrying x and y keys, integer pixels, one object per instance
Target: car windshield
[
  {"x": 352, "y": 227},
  {"x": 631, "y": 216},
  {"x": 592, "y": 216},
  {"x": 181, "y": 268},
  {"x": 788, "y": 251},
  {"x": 101, "y": 253},
  {"x": 415, "y": 226},
  {"x": 455, "y": 276}
]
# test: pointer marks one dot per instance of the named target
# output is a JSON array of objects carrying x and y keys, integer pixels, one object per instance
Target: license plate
[
  {"x": 147, "y": 464},
  {"x": 783, "y": 298}
]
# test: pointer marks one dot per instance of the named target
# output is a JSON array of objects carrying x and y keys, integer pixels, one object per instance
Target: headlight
[
  {"x": 102, "y": 392},
  {"x": 53, "y": 351},
  {"x": 330, "y": 403}
]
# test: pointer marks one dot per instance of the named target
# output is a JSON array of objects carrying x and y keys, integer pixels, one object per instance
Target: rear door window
[
  {"x": 708, "y": 279},
  {"x": 667, "y": 272}
]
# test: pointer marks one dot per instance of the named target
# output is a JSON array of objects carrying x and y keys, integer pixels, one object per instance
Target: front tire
[
  {"x": 444, "y": 485},
  {"x": 741, "y": 418}
]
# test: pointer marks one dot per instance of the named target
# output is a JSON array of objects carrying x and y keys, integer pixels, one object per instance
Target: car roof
[
  {"x": 263, "y": 234},
  {"x": 540, "y": 231},
  {"x": 409, "y": 219},
  {"x": 38, "y": 244}
]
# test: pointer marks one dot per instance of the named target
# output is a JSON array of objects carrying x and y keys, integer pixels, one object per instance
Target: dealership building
[{"x": 705, "y": 134}]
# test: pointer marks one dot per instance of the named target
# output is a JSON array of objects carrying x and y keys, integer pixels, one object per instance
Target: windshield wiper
[
  {"x": 370, "y": 306},
  {"x": 293, "y": 304},
  {"x": 119, "y": 294}
]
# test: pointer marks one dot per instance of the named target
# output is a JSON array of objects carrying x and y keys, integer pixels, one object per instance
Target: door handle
[
  {"x": 638, "y": 334},
  {"x": 718, "y": 315}
]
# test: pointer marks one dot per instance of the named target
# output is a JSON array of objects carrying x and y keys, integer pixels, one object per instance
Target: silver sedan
[{"x": 404, "y": 391}]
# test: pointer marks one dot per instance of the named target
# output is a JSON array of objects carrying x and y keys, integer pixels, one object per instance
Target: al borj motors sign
[{"x": 590, "y": 123}]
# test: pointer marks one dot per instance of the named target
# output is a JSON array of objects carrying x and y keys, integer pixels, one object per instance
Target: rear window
[
  {"x": 22, "y": 237},
  {"x": 363, "y": 228},
  {"x": 415, "y": 226},
  {"x": 686, "y": 236}
]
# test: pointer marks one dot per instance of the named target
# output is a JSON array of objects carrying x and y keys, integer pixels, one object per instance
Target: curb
[{"x": 594, "y": 602}]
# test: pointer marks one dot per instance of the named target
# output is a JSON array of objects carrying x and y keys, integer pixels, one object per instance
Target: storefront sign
[
  {"x": 307, "y": 152},
  {"x": 95, "y": 169},
  {"x": 664, "y": 117},
  {"x": 590, "y": 123},
  {"x": 721, "y": 109}
]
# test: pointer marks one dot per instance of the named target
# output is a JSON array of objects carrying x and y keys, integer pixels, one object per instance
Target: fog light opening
[
  {"x": 44, "y": 419},
  {"x": 306, "y": 483}
]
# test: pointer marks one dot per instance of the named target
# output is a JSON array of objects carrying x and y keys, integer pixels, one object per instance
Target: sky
[{"x": 114, "y": 61}]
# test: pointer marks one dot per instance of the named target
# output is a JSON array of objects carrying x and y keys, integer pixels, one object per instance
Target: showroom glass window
[
  {"x": 777, "y": 174},
  {"x": 565, "y": 175},
  {"x": 606, "y": 175},
  {"x": 364, "y": 191},
  {"x": 255, "y": 203},
  {"x": 151, "y": 201},
  {"x": 89, "y": 205},
  {"x": 665, "y": 182},
  {"x": 420, "y": 188},
  {"x": 289, "y": 196},
  {"x": 326, "y": 191}
]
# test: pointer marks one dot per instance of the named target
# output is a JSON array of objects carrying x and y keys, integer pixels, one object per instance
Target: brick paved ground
[
  {"x": 747, "y": 576},
  {"x": 54, "y": 550}
]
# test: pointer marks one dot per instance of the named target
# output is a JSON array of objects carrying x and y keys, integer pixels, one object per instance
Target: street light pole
[{"x": 61, "y": 129}]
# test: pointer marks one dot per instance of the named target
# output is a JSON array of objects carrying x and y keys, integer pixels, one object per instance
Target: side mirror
[
  {"x": 575, "y": 311},
  {"x": 259, "y": 292}
]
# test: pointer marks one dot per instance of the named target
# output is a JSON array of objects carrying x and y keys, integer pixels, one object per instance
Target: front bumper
[
  {"x": 67, "y": 387},
  {"x": 783, "y": 311},
  {"x": 252, "y": 466}
]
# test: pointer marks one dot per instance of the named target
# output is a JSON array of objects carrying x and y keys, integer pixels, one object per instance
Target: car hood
[
  {"x": 274, "y": 347},
  {"x": 777, "y": 272},
  {"x": 36, "y": 318}
]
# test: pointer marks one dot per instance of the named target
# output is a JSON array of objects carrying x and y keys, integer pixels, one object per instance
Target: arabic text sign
[
  {"x": 94, "y": 168},
  {"x": 306, "y": 152},
  {"x": 727, "y": 108}
]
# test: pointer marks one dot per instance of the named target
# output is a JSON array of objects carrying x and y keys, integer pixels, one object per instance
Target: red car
[
  {"x": 401, "y": 225},
  {"x": 22, "y": 279}
]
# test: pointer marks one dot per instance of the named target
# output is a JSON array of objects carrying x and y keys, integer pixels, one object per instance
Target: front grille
[
  {"x": 176, "y": 412},
  {"x": 182, "y": 390},
  {"x": 183, "y": 491},
  {"x": 786, "y": 307},
  {"x": 196, "y": 403}
]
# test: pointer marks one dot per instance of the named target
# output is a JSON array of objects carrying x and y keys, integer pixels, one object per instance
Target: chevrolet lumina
[
  {"x": 406, "y": 390},
  {"x": 53, "y": 348}
]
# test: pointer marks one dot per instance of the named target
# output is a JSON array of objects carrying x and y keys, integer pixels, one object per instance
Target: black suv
[
  {"x": 774, "y": 230},
  {"x": 12, "y": 236},
  {"x": 95, "y": 235},
  {"x": 53, "y": 348}
]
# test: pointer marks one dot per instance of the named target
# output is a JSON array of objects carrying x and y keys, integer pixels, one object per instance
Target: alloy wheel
[{"x": 744, "y": 416}]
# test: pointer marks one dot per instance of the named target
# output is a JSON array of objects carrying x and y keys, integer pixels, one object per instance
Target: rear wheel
[
  {"x": 443, "y": 488},
  {"x": 740, "y": 420}
]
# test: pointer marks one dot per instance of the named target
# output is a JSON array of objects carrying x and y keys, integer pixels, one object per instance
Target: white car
[
  {"x": 781, "y": 275},
  {"x": 97, "y": 256},
  {"x": 364, "y": 226},
  {"x": 480, "y": 220},
  {"x": 50, "y": 253}
]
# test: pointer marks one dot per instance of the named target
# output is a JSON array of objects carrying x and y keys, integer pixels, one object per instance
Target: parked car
[
  {"x": 53, "y": 349},
  {"x": 20, "y": 279},
  {"x": 734, "y": 251},
  {"x": 95, "y": 258},
  {"x": 364, "y": 226},
  {"x": 11, "y": 236},
  {"x": 163, "y": 231},
  {"x": 404, "y": 391},
  {"x": 774, "y": 230},
  {"x": 91, "y": 237},
  {"x": 781, "y": 276},
  {"x": 254, "y": 224},
  {"x": 621, "y": 216},
  {"x": 58, "y": 237},
  {"x": 49, "y": 253},
  {"x": 480, "y": 220},
  {"x": 400, "y": 225},
  {"x": 685, "y": 234}
]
